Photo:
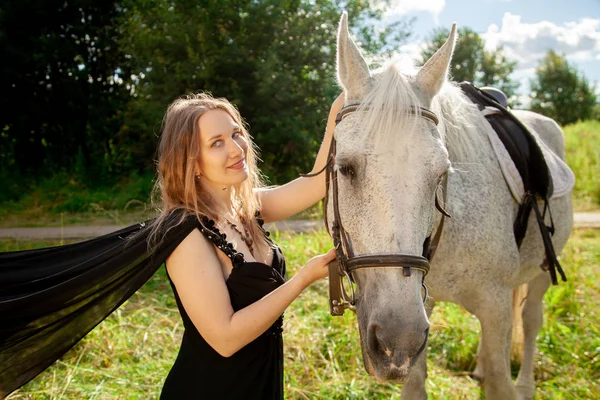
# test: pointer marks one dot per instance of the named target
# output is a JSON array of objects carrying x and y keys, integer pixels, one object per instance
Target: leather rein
[{"x": 346, "y": 261}]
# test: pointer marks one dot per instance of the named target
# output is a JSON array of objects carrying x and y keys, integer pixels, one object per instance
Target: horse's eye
[{"x": 346, "y": 170}]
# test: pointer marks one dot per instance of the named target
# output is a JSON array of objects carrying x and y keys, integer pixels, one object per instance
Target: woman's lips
[{"x": 238, "y": 165}]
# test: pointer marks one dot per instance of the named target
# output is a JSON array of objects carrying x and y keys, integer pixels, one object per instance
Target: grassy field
[
  {"x": 129, "y": 354},
  {"x": 582, "y": 145}
]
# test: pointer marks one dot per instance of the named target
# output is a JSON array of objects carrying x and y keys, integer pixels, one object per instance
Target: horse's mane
[{"x": 461, "y": 123}]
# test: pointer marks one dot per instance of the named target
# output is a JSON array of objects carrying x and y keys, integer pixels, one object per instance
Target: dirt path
[{"x": 582, "y": 220}]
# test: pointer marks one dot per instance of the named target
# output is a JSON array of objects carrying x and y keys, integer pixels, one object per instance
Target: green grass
[
  {"x": 582, "y": 145},
  {"x": 67, "y": 200},
  {"x": 129, "y": 355}
]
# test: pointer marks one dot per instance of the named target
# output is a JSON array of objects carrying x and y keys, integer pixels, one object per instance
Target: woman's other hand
[{"x": 316, "y": 267}]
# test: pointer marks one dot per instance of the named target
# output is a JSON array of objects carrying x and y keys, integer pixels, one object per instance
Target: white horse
[{"x": 390, "y": 162}]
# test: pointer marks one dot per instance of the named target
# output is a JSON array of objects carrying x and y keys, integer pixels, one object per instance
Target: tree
[
  {"x": 274, "y": 59},
  {"x": 471, "y": 62},
  {"x": 60, "y": 101},
  {"x": 85, "y": 83},
  {"x": 561, "y": 92}
]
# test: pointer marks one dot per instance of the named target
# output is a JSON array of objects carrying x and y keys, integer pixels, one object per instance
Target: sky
[{"x": 526, "y": 28}]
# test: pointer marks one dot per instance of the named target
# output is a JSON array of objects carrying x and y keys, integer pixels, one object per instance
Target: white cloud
[
  {"x": 596, "y": 86},
  {"x": 401, "y": 7},
  {"x": 582, "y": 56},
  {"x": 413, "y": 50},
  {"x": 527, "y": 43}
]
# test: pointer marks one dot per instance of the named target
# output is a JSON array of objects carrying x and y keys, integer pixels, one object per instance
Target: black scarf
[{"x": 51, "y": 298}]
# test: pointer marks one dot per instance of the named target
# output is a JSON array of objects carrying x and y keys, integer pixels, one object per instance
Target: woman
[{"x": 227, "y": 276}]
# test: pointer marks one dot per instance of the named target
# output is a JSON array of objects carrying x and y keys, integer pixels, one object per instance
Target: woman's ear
[{"x": 197, "y": 170}]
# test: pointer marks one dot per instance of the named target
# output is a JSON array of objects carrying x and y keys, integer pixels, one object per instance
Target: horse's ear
[
  {"x": 433, "y": 74},
  {"x": 352, "y": 69}
]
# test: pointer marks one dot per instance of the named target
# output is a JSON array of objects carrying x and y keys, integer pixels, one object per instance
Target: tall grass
[
  {"x": 582, "y": 145},
  {"x": 129, "y": 355}
]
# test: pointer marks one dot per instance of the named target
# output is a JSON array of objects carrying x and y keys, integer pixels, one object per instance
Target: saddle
[{"x": 531, "y": 165}]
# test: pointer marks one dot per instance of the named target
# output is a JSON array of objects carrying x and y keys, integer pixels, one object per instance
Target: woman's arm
[
  {"x": 284, "y": 201},
  {"x": 197, "y": 275}
]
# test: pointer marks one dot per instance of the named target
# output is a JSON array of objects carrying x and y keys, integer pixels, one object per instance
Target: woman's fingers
[{"x": 330, "y": 255}]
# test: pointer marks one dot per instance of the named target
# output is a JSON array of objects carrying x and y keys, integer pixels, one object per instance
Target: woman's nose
[{"x": 235, "y": 149}]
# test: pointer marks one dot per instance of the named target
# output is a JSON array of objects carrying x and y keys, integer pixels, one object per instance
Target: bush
[
  {"x": 582, "y": 145},
  {"x": 63, "y": 192}
]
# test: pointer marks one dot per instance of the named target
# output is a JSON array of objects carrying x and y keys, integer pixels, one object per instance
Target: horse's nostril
[
  {"x": 425, "y": 338},
  {"x": 373, "y": 339}
]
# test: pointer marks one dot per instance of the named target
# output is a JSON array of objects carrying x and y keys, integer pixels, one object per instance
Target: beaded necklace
[{"x": 246, "y": 237}]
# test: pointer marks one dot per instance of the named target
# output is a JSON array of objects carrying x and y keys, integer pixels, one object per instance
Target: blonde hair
[{"x": 176, "y": 187}]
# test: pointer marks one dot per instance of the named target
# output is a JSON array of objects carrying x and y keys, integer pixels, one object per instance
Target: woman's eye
[
  {"x": 235, "y": 135},
  {"x": 217, "y": 143}
]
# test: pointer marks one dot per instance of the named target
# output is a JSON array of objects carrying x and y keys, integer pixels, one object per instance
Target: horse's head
[{"x": 390, "y": 160}]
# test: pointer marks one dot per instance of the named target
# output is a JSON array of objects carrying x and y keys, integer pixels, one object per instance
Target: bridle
[{"x": 346, "y": 261}]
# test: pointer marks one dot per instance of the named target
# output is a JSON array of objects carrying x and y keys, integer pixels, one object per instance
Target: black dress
[{"x": 256, "y": 370}]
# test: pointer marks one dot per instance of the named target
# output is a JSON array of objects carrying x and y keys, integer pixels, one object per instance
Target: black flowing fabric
[
  {"x": 51, "y": 298},
  {"x": 255, "y": 372}
]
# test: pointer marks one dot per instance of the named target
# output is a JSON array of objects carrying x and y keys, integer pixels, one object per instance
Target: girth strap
[{"x": 551, "y": 260}]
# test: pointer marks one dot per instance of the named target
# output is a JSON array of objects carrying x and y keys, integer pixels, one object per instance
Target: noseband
[{"x": 346, "y": 261}]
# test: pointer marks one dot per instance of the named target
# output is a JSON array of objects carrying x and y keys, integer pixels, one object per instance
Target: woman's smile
[{"x": 241, "y": 164}]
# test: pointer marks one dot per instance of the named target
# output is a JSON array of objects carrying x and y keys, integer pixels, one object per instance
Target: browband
[{"x": 415, "y": 110}]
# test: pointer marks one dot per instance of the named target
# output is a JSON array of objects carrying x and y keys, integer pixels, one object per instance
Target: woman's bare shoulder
[{"x": 195, "y": 246}]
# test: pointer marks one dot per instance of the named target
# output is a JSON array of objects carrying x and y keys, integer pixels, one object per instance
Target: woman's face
[{"x": 223, "y": 150}]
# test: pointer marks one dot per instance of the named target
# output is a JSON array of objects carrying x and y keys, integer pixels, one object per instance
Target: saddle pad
[
  {"x": 528, "y": 164},
  {"x": 539, "y": 171},
  {"x": 562, "y": 176}
]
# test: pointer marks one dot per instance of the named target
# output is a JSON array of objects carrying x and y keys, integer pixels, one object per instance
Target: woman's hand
[
  {"x": 210, "y": 309},
  {"x": 316, "y": 267}
]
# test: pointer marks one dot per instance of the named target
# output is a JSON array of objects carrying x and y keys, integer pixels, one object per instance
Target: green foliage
[
  {"x": 129, "y": 354},
  {"x": 86, "y": 83},
  {"x": 59, "y": 72},
  {"x": 65, "y": 195},
  {"x": 561, "y": 92},
  {"x": 582, "y": 148},
  {"x": 274, "y": 60},
  {"x": 471, "y": 62}
]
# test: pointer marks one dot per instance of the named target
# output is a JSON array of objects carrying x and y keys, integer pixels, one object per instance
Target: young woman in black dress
[{"x": 228, "y": 277}]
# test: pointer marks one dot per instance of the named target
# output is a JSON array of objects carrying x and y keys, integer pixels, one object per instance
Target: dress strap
[
  {"x": 209, "y": 229},
  {"x": 261, "y": 223}
]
